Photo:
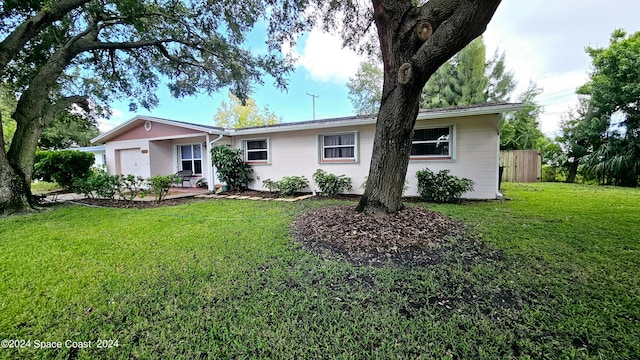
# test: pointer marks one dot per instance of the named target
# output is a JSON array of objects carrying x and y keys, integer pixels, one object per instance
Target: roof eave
[
  {"x": 431, "y": 114},
  {"x": 102, "y": 138}
]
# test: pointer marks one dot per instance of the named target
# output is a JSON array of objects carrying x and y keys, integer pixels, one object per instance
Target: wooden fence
[{"x": 521, "y": 165}]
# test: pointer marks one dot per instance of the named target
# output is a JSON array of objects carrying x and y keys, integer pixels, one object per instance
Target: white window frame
[
  {"x": 349, "y": 160},
  {"x": 246, "y": 151},
  {"x": 193, "y": 158},
  {"x": 451, "y": 141}
]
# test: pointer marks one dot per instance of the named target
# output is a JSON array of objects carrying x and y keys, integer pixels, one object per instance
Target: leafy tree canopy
[
  {"x": 467, "y": 78},
  {"x": 365, "y": 88},
  {"x": 521, "y": 130},
  {"x": 66, "y": 131},
  {"x": 614, "y": 94},
  {"x": 235, "y": 114}
]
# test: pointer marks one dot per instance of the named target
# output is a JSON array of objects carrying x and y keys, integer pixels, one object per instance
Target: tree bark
[
  {"x": 572, "y": 172},
  {"x": 415, "y": 41},
  {"x": 13, "y": 196}
]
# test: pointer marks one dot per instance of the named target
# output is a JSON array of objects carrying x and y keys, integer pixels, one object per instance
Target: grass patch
[
  {"x": 223, "y": 279},
  {"x": 44, "y": 187}
]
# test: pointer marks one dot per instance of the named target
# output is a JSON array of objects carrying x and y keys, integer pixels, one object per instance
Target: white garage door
[{"x": 131, "y": 161}]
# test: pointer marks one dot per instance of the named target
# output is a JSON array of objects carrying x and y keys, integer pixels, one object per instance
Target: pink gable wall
[{"x": 157, "y": 130}]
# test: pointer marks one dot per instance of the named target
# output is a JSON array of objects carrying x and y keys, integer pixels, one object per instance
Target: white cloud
[
  {"x": 117, "y": 118},
  {"x": 544, "y": 41},
  {"x": 325, "y": 59}
]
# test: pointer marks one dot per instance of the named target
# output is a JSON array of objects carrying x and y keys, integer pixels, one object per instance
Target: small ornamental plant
[
  {"x": 442, "y": 187},
  {"x": 231, "y": 167},
  {"x": 331, "y": 184},
  {"x": 287, "y": 186},
  {"x": 160, "y": 185},
  {"x": 129, "y": 186}
]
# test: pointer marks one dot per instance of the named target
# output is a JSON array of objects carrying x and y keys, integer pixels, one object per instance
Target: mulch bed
[
  {"x": 413, "y": 236},
  {"x": 123, "y": 204}
]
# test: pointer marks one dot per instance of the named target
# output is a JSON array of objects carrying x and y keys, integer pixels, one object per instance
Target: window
[
  {"x": 432, "y": 143},
  {"x": 338, "y": 147},
  {"x": 191, "y": 158},
  {"x": 256, "y": 151}
]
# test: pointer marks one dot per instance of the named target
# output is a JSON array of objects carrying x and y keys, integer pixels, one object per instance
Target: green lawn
[
  {"x": 223, "y": 279},
  {"x": 44, "y": 187}
]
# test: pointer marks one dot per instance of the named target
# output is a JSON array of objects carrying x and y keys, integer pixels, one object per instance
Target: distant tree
[
  {"x": 521, "y": 130},
  {"x": 235, "y": 114},
  {"x": 365, "y": 88},
  {"x": 467, "y": 78},
  {"x": 460, "y": 81},
  {"x": 68, "y": 130},
  {"x": 501, "y": 83},
  {"x": 581, "y": 133},
  {"x": 614, "y": 95}
]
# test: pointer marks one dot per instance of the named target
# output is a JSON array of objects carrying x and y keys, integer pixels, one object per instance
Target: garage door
[{"x": 131, "y": 161}]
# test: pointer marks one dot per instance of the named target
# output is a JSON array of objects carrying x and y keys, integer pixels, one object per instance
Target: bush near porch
[{"x": 223, "y": 279}]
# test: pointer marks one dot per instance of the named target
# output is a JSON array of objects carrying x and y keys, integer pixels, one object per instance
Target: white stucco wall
[
  {"x": 113, "y": 149},
  {"x": 297, "y": 153},
  {"x": 162, "y": 158},
  {"x": 476, "y": 155}
]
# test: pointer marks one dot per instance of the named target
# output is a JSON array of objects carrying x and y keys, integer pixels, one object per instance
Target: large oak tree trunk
[
  {"x": 415, "y": 41},
  {"x": 14, "y": 192},
  {"x": 16, "y": 168}
]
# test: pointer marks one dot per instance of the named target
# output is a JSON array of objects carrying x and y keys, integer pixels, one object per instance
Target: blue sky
[{"x": 543, "y": 40}]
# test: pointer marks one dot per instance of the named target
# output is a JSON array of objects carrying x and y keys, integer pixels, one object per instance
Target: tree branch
[
  {"x": 63, "y": 104},
  {"x": 467, "y": 22},
  {"x": 31, "y": 27}
]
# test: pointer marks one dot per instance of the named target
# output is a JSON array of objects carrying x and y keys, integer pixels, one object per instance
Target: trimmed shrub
[
  {"x": 129, "y": 186},
  {"x": 160, "y": 185},
  {"x": 231, "y": 167},
  {"x": 288, "y": 186},
  {"x": 63, "y": 166},
  {"x": 442, "y": 187},
  {"x": 331, "y": 184},
  {"x": 98, "y": 184}
]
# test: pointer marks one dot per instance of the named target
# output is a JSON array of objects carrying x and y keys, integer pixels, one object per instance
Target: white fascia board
[
  {"x": 480, "y": 110},
  {"x": 426, "y": 115},
  {"x": 302, "y": 126},
  {"x": 141, "y": 118}
]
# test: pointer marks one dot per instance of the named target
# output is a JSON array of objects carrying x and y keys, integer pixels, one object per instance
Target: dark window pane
[
  {"x": 185, "y": 152},
  {"x": 197, "y": 168},
  {"x": 197, "y": 152},
  {"x": 256, "y": 145},
  {"x": 341, "y": 152},
  {"x": 257, "y": 156},
  {"x": 430, "y": 149},
  {"x": 187, "y": 165},
  {"x": 431, "y": 134}
]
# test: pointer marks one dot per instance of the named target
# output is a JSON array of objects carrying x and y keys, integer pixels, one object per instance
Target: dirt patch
[{"x": 413, "y": 236}]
